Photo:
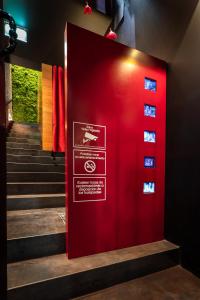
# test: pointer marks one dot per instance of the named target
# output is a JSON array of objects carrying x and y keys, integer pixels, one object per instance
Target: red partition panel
[{"x": 106, "y": 149}]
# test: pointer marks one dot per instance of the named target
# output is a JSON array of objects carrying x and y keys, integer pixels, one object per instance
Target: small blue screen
[
  {"x": 149, "y": 187},
  {"x": 149, "y": 111},
  {"x": 150, "y": 84},
  {"x": 149, "y": 136},
  {"x": 149, "y": 162}
]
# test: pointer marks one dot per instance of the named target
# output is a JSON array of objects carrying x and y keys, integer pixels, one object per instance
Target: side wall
[
  {"x": 3, "y": 233},
  {"x": 183, "y": 147},
  {"x": 106, "y": 87}
]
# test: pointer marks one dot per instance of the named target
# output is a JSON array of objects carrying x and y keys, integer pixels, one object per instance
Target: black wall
[
  {"x": 183, "y": 147},
  {"x": 3, "y": 267},
  {"x": 45, "y": 21}
]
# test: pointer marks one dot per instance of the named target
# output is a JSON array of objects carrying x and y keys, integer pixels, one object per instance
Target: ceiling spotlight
[
  {"x": 111, "y": 35},
  {"x": 87, "y": 9}
]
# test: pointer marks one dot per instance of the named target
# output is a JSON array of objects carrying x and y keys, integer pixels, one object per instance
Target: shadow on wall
[{"x": 124, "y": 22}]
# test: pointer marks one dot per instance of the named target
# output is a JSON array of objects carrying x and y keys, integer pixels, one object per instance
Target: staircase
[
  {"x": 37, "y": 264},
  {"x": 36, "y": 197}
]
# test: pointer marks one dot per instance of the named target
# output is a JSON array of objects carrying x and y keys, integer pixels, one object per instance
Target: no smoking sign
[
  {"x": 90, "y": 166},
  {"x": 89, "y": 162}
]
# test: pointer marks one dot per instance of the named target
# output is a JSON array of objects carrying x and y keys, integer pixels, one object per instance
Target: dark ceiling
[
  {"x": 45, "y": 21},
  {"x": 160, "y": 25}
]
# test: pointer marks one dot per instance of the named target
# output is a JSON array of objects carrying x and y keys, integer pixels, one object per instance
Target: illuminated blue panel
[
  {"x": 21, "y": 32},
  {"x": 149, "y": 136},
  {"x": 149, "y": 111},
  {"x": 149, "y": 188},
  {"x": 150, "y": 84},
  {"x": 149, "y": 162}
]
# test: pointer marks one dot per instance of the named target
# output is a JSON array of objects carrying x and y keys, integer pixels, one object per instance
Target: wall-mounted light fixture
[
  {"x": 111, "y": 35},
  {"x": 21, "y": 32},
  {"x": 87, "y": 9}
]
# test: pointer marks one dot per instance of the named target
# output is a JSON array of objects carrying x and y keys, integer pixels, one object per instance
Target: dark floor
[
  {"x": 172, "y": 284},
  {"x": 46, "y": 268}
]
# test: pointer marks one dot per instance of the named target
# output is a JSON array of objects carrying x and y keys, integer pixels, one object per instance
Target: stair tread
[
  {"x": 35, "y": 196},
  {"x": 29, "y": 155},
  {"x": 33, "y": 163},
  {"x": 56, "y": 266},
  {"x": 57, "y": 182},
  {"x": 42, "y": 172},
  {"x": 35, "y": 222}
]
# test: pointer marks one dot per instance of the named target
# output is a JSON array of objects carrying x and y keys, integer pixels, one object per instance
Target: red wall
[{"x": 106, "y": 87}]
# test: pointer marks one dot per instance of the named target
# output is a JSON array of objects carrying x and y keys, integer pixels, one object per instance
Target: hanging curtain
[{"x": 58, "y": 110}]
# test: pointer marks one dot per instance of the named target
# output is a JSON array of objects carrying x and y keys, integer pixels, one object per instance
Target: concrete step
[
  {"x": 33, "y": 135},
  {"x": 35, "y": 233},
  {"x": 34, "y": 159},
  {"x": 21, "y": 151},
  {"x": 35, "y": 167},
  {"x": 57, "y": 278},
  {"x": 23, "y": 202},
  {"x": 26, "y": 188},
  {"x": 24, "y": 126},
  {"x": 23, "y": 145},
  {"x": 35, "y": 177},
  {"x": 22, "y": 140}
]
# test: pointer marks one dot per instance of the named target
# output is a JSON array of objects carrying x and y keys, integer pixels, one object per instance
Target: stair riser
[
  {"x": 79, "y": 284},
  {"x": 25, "y": 127},
  {"x": 23, "y": 146},
  {"x": 35, "y": 247},
  {"x": 16, "y": 151},
  {"x": 22, "y": 140},
  {"x": 35, "y": 203},
  {"x": 30, "y": 189},
  {"x": 13, "y": 167},
  {"x": 35, "y": 177},
  {"x": 21, "y": 151},
  {"x": 34, "y": 135},
  {"x": 34, "y": 159}
]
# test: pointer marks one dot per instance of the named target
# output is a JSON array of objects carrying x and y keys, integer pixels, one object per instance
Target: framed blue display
[
  {"x": 149, "y": 162},
  {"x": 149, "y": 188},
  {"x": 150, "y": 111},
  {"x": 150, "y": 84},
  {"x": 149, "y": 136}
]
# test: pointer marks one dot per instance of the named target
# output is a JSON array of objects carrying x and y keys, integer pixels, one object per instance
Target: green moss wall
[{"x": 25, "y": 94}]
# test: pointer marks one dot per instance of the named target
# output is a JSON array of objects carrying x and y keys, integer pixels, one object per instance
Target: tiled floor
[{"x": 172, "y": 284}]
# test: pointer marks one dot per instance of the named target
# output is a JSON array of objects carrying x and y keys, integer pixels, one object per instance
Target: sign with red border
[
  {"x": 89, "y": 136},
  {"x": 89, "y": 189}
]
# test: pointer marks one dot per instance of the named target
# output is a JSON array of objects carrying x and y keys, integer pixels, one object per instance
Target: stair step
[
  {"x": 34, "y": 159},
  {"x": 57, "y": 278},
  {"x": 24, "y": 126},
  {"x": 35, "y": 233},
  {"x": 35, "y": 177},
  {"x": 22, "y": 140},
  {"x": 33, "y": 152},
  {"x": 33, "y": 135},
  {"x": 23, "y": 145},
  {"x": 25, "y": 188},
  {"x": 23, "y": 202},
  {"x": 35, "y": 167}
]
